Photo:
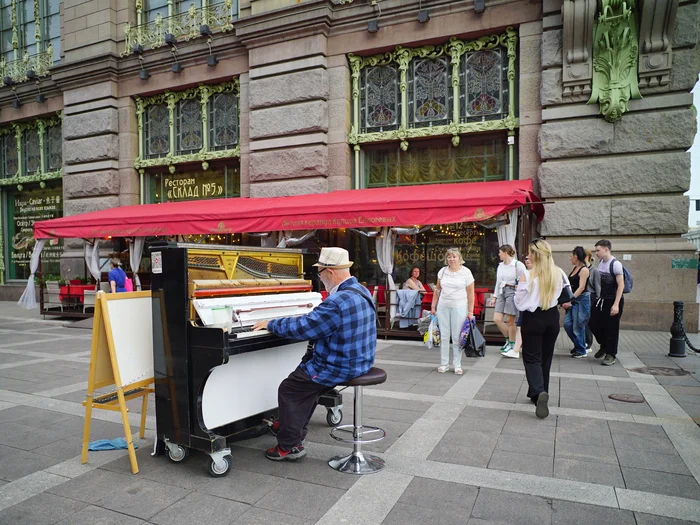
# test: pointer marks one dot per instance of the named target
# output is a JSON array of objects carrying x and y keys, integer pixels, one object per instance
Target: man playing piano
[{"x": 343, "y": 330}]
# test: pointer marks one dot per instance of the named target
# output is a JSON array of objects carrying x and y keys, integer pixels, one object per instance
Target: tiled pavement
[{"x": 459, "y": 449}]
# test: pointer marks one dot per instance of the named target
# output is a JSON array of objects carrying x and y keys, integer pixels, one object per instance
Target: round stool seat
[{"x": 375, "y": 376}]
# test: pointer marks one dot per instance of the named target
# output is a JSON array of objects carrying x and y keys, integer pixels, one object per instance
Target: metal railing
[
  {"x": 183, "y": 26},
  {"x": 27, "y": 68}
]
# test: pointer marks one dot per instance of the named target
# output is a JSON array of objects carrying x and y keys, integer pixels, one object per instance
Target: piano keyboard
[{"x": 244, "y": 333}]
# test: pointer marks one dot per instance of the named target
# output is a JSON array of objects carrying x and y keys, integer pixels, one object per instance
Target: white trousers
[{"x": 450, "y": 321}]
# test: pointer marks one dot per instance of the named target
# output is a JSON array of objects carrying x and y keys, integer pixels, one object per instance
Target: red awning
[{"x": 396, "y": 206}]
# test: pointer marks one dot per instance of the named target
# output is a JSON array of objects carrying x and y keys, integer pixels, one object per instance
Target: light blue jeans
[
  {"x": 450, "y": 321},
  {"x": 576, "y": 320}
]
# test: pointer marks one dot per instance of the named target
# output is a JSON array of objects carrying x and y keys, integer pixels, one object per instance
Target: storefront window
[
  {"x": 25, "y": 207},
  {"x": 429, "y": 162},
  {"x": 215, "y": 183},
  {"x": 478, "y": 246}
]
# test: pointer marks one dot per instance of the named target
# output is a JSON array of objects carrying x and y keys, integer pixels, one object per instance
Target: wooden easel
[{"x": 106, "y": 354}]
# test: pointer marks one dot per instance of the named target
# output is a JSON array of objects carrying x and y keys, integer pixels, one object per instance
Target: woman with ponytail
[{"x": 537, "y": 297}]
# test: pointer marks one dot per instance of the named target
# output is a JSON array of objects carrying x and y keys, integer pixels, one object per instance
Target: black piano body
[{"x": 207, "y": 381}]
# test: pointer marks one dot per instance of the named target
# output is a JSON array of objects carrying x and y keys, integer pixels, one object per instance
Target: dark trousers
[
  {"x": 539, "y": 331},
  {"x": 606, "y": 327},
  {"x": 297, "y": 398}
]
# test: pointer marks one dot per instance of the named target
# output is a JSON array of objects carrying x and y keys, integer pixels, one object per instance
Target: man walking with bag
[{"x": 606, "y": 314}]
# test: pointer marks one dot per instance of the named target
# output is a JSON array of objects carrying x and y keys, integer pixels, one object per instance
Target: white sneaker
[
  {"x": 511, "y": 353},
  {"x": 443, "y": 369}
]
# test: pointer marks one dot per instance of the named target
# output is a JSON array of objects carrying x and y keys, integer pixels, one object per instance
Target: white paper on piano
[
  {"x": 247, "y": 309},
  {"x": 247, "y": 384}
]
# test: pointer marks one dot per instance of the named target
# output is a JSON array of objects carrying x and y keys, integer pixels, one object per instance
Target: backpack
[{"x": 629, "y": 282}]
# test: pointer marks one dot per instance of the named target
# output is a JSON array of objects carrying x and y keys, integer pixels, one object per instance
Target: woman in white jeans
[{"x": 453, "y": 301}]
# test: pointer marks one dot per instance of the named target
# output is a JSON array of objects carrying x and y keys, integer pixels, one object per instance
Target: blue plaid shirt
[{"x": 344, "y": 328}]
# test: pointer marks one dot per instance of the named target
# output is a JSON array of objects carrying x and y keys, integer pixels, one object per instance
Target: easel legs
[
  {"x": 127, "y": 431},
  {"x": 86, "y": 428},
  {"x": 144, "y": 406}
]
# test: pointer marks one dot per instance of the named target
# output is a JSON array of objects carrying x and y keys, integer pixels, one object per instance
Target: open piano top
[{"x": 251, "y": 300}]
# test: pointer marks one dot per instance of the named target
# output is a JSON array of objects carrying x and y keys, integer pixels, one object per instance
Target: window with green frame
[
  {"x": 457, "y": 90},
  {"x": 152, "y": 8},
  {"x": 196, "y": 125},
  {"x": 39, "y": 151},
  {"x": 34, "y": 24},
  {"x": 23, "y": 208},
  {"x": 436, "y": 161}
]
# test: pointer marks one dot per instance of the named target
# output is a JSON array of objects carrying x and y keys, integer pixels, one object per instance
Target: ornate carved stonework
[
  {"x": 578, "y": 18},
  {"x": 657, "y": 20},
  {"x": 615, "y": 53}
]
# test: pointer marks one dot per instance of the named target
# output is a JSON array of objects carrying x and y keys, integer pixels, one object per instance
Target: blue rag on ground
[{"x": 109, "y": 444}]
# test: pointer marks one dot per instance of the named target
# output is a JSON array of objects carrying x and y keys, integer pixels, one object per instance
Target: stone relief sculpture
[
  {"x": 657, "y": 19},
  {"x": 578, "y": 18},
  {"x": 615, "y": 54}
]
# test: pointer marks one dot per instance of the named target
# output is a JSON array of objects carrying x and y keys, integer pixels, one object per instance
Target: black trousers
[
  {"x": 540, "y": 330},
  {"x": 297, "y": 398},
  {"x": 606, "y": 327}
]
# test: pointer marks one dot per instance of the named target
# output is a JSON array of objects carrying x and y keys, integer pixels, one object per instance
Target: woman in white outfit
[
  {"x": 509, "y": 271},
  {"x": 453, "y": 301}
]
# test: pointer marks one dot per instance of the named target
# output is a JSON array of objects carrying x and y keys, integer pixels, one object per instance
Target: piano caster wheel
[
  {"x": 334, "y": 418},
  {"x": 220, "y": 469},
  {"x": 177, "y": 453}
]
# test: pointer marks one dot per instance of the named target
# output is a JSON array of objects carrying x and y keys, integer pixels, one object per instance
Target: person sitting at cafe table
[{"x": 413, "y": 283}]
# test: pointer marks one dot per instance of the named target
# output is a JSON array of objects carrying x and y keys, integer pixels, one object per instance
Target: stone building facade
[{"x": 135, "y": 75}]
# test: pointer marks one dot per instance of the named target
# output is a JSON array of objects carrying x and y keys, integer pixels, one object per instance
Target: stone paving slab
[{"x": 459, "y": 450}]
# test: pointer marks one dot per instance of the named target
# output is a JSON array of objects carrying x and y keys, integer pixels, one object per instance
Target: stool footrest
[{"x": 364, "y": 430}]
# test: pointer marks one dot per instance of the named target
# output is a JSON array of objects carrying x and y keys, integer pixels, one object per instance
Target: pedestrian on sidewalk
[
  {"x": 537, "y": 297},
  {"x": 509, "y": 270},
  {"x": 578, "y": 311},
  {"x": 593, "y": 287},
  {"x": 515, "y": 353},
  {"x": 453, "y": 302},
  {"x": 605, "y": 319}
]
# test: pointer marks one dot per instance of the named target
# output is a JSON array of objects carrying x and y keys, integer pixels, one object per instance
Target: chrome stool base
[{"x": 357, "y": 463}]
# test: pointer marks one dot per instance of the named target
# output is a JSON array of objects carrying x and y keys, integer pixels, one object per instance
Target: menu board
[{"x": 24, "y": 209}]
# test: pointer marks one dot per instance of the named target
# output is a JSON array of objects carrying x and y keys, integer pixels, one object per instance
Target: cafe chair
[
  {"x": 105, "y": 287},
  {"x": 53, "y": 295},
  {"x": 89, "y": 300}
]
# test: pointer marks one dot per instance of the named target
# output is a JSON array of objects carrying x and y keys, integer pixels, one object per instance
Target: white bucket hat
[{"x": 334, "y": 258}]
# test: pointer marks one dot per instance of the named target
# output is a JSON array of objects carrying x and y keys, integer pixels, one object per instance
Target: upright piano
[{"x": 215, "y": 379}]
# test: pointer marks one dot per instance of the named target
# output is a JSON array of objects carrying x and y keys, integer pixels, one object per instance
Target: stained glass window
[
  {"x": 223, "y": 121},
  {"x": 189, "y": 126},
  {"x": 484, "y": 84},
  {"x": 31, "y": 151},
  {"x": 10, "y": 158},
  {"x": 157, "y": 131},
  {"x": 6, "y": 30},
  {"x": 54, "y": 145},
  {"x": 380, "y": 98},
  {"x": 436, "y": 161},
  {"x": 429, "y": 95}
]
